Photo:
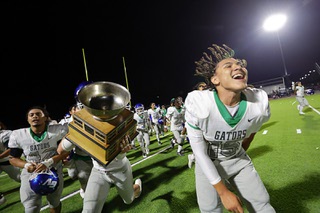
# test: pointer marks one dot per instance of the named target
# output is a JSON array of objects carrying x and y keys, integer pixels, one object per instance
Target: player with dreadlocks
[{"x": 221, "y": 123}]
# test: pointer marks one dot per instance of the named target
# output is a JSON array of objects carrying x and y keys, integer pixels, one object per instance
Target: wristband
[
  {"x": 48, "y": 162},
  {"x": 27, "y": 165}
]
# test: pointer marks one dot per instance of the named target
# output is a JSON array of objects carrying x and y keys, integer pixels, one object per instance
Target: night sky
[{"x": 42, "y": 60}]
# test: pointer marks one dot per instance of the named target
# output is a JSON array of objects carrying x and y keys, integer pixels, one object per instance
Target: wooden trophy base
[{"x": 101, "y": 139}]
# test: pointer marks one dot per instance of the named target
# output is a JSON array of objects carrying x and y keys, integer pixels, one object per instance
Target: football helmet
[
  {"x": 160, "y": 121},
  {"x": 77, "y": 90},
  {"x": 45, "y": 182},
  {"x": 139, "y": 108}
]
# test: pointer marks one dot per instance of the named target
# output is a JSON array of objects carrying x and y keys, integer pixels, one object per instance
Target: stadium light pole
[{"x": 272, "y": 24}]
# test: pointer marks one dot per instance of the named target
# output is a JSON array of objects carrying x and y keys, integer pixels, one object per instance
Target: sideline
[{"x": 138, "y": 162}]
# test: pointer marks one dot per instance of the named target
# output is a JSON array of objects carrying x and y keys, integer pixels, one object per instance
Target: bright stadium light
[{"x": 273, "y": 24}]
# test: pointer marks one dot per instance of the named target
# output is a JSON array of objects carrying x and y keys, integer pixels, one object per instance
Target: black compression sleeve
[{"x": 16, "y": 152}]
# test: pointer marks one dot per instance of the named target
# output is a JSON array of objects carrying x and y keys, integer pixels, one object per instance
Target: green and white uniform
[
  {"x": 216, "y": 137},
  {"x": 300, "y": 97},
  {"x": 12, "y": 171},
  {"x": 118, "y": 172},
  {"x": 37, "y": 149}
]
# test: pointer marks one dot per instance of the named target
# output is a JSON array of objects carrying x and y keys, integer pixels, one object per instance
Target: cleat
[
  {"x": 2, "y": 199},
  {"x": 190, "y": 160},
  {"x": 172, "y": 143},
  {"x": 82, "y": 193},
  {"x": 159, "y": 143},
  {"x": 144, "y": 155},
  {"x": 180, "y": 153},
  {"x": 302, "y": 113},
  {"x": 138, "y": 182},
  {"x": 147, "y": 151}
]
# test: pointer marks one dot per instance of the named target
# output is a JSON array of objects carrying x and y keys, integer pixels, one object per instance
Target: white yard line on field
[{"x": 314, "y": 109}]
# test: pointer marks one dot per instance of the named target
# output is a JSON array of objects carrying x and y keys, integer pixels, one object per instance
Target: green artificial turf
[{"x": 288, "y": 163}]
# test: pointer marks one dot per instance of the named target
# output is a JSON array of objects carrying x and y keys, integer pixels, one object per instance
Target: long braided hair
[{"x": 206, "y": 66}]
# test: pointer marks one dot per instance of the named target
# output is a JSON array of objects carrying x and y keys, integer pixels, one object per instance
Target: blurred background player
[
  {"x": 299, "y": 91},
  {"x": 5, "y": 166},
  {"x": 155, "y": 115},
  {"x": 141, "y": 116},
  {"x": 176, "y": 117}
]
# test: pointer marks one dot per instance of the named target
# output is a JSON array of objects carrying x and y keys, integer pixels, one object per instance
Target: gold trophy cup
[{"x": 103, "y": 122}]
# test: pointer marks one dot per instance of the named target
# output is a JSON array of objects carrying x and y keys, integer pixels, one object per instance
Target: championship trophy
[{"x": 103, "y": 122}]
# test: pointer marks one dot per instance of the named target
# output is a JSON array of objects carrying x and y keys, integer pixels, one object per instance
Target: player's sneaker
[
  {"x": 82, "y": 193},
  {"x": 2, "y": 199},
  {"x": 172, "y": 143},
  {"x": 302, "y": 113},
  {"x": 147, "y": 151},
  {"x": 139, "y": 182},
  {"x": 190, "y": 160},
  {"x": 144, "y": 155},
  {"x": 159, "y": 143}
]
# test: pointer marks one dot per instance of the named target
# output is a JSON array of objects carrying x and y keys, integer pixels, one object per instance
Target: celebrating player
[
  {"x": 118, "y": 172},
  {"x": 141, "y": 116},
  {"x": 39, "y": 144},
  {"x": 78, "y": 163},
  {"x": 221, "y": 123},
  {"x": 176, "y": 117},
  {"x": 154, "y": 113},
  {"x": 299, "y": 90}
]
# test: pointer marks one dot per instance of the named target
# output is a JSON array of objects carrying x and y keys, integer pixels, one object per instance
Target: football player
[
  {"x": 141, "y": 116},
  {"x": 38, "y": 143},
  {"x": 176, "y": 117},
  {"x": 154, "y": 113},
  {"x": 221, "y": 123},
  {"x": 5, "y": 166}
]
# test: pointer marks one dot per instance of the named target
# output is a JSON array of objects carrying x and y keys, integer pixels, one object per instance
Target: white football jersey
[
  {"x": 176, "y": 118},
  {"x": 206, "y": 113},
  {"x": 33, "y": 150},
  {"x": 300, "y": 91},
  {"x": 142, "y": 121},
  {"x": 154, "y": 114},
  {"x": 4, "y": 138},
  {"x": 211, "y": 128}
]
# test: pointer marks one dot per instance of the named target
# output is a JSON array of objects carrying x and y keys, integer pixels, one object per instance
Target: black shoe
[{"x": 159, "y": 142}]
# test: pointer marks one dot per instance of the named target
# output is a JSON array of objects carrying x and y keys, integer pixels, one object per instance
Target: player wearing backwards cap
[
  {"x": 39, "y": 144},
  {"x": 221, "y": 123}
]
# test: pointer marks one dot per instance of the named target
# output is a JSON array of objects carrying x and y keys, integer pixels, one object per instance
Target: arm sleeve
[
  {"x": 16, "y": 152},
  {"x": 198, "y": 144}
]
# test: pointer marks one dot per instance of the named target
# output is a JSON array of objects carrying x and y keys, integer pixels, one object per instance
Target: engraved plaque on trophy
[{"x": 104, "y": 121}]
